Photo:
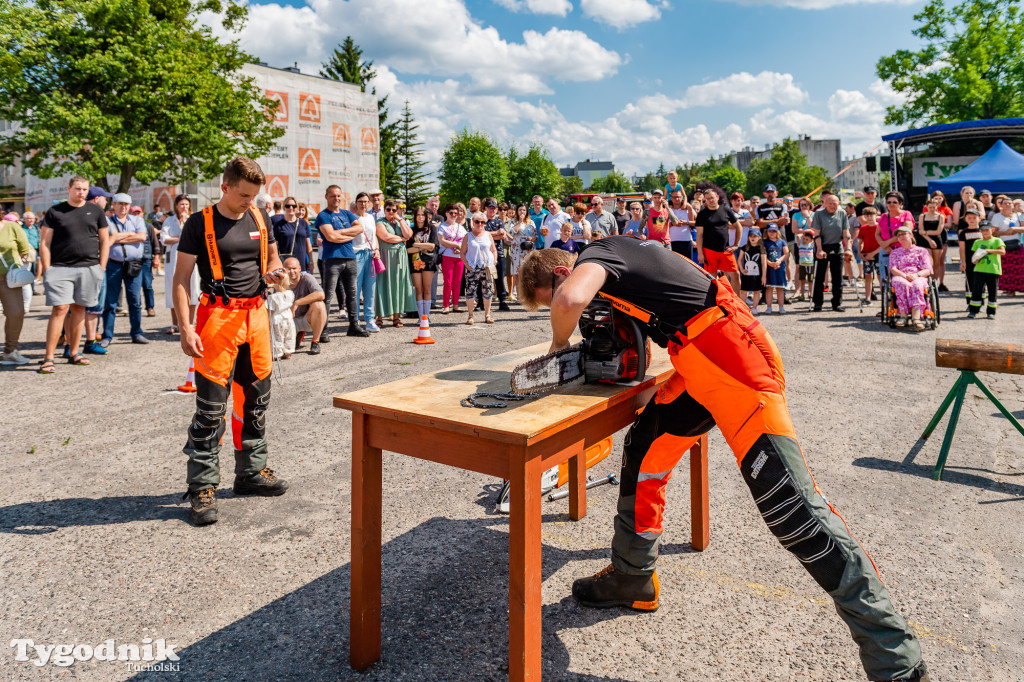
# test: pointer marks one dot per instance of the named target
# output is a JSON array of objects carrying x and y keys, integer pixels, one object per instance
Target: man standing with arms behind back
[
  {"x": 124, "y": 267},
  {"x": 234, "y": 248},
  {"x": 72, "y": 256}
]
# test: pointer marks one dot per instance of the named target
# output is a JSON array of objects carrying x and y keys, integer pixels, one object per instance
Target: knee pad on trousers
[{"x": 783, "y": 504}]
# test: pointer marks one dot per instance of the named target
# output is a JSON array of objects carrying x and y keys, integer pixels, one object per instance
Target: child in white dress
[{"x": 283, "y": 324}]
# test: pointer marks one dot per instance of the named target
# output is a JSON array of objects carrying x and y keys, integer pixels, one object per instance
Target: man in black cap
[{"x": 870, "y": 199}]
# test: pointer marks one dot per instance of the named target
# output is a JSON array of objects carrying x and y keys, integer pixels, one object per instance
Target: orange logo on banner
[
  {"x": 369, "y": 139},
  {"x": 163, "y": 198},
  {"x": 346, "y": 200},
  {"x": 282, "y": 107},
  {"x": 311, "y": 211},
  {"x": 277, "y": 186},
  {"x": 309, "y": 163},
  {"x": 341, "y": 135},
  {"x": 309, "y": 107}
]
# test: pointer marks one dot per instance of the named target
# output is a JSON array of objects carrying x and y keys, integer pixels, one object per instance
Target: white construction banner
[{"x": 330, "y": 138}]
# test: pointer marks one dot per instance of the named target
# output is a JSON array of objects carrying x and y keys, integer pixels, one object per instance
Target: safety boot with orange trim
[
  {"x": 611, "y": 587},
  {"x": 264, "y": 483}
]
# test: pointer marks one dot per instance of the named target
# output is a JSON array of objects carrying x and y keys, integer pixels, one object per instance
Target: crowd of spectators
[{"x": 376, "y": 261}]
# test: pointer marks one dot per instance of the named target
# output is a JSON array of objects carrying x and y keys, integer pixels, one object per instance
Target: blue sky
[{"x": 634, "y": 81}]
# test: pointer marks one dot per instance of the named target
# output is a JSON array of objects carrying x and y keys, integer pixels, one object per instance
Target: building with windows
[
  {"x": 588, "y": 171},
  {"x": 824, "y": 153}
]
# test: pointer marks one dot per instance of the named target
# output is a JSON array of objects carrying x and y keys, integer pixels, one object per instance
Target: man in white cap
[{"x": 127, "y": 242}]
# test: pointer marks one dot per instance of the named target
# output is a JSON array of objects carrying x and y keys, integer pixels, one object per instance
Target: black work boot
[
  {"x": 356, "y": 330},
  {"x": 263, "y": 483},
  {"x": 612, "y": 587},
  {"x": 204, "y": 506}
]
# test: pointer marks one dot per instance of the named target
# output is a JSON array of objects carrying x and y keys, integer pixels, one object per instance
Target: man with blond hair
[{"x": 728, "y": 372}]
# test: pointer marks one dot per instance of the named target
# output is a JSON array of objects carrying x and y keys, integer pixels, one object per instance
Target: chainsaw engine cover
[{"x": 615, "y": 348}]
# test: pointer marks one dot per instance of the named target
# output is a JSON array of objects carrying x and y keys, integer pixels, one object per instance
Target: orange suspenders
[{"x": 210, "y": 239}]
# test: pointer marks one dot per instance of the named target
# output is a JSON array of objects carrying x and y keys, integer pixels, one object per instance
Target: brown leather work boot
[{"x": 612, "y": 587}]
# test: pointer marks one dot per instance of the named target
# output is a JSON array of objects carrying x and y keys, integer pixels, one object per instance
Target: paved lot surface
[{"x": 95, "y": 545}]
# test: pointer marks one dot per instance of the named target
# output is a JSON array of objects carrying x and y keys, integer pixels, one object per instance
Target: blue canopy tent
[{"x": 1000, "y": 170}]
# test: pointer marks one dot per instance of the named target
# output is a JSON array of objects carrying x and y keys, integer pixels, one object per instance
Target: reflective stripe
[{"x": 646, "y": 476}]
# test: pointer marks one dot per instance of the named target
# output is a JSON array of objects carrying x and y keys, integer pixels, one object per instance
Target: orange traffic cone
[
  {"x": 190, "y": 378},
  {"x": 424, "y": 335}
]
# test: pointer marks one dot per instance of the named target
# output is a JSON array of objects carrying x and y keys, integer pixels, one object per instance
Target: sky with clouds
[{"x": 637, "y": 82}]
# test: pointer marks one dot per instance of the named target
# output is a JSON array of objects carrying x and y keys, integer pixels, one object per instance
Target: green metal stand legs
[{"x": 956, "y": 396}]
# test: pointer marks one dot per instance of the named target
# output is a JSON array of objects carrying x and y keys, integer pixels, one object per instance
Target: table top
[{"x": 432, "y": 399}]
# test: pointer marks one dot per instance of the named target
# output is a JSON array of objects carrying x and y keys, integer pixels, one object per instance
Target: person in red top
[
  {"x": 869, "y": 249},
  {"x": 237, "y": 257},
  {"x": 659, "y": 218}
]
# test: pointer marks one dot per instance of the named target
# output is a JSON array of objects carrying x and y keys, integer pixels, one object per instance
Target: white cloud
[
  {"x": 623, "y": 13},
  {"x": 436, "y": 38},
  {"x": 821, "y": 4},
  {"x": 746, "y": 90},
  {"x": 556, "y": 7}
]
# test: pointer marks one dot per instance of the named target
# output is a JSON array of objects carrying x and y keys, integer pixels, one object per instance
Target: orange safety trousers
[
  {"x": 236, "y": 356},
  {"x": 729, "y": 372}
]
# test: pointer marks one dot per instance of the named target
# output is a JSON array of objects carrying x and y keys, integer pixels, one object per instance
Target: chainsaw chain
[{"x": 472, "y": 400}]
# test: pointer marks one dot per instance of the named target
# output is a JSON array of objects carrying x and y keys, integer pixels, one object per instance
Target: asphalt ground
[{"x": 95, "y": 544}]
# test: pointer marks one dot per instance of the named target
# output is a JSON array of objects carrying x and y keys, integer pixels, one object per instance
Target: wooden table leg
[
  {"x": 524, "y": 580},
  {"x": 699, "y": 513},
  {"x": 364, "y": 638},
  {"x": 578, "y": 483}
]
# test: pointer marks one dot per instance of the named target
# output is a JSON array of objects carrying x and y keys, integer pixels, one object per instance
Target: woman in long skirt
[{"x": 394, "y": 292}]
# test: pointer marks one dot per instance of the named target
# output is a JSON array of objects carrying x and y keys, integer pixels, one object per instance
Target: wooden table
[{"x": 421, "y": 417}]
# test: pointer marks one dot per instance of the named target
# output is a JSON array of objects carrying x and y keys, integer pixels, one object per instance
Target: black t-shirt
[
  {"x": 716, "y": 227},
  {"x": 621, "y": 220},
  {"x": 652, "y": 277},
  {"x": 771, "y": 212},
  {"x": 76, "y": 234},
  {"x": 238, "y": 244},
  {"x": 859, "y": 208}
]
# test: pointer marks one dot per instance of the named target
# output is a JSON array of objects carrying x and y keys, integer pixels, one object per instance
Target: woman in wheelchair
[{"x": 909, "y": 268}]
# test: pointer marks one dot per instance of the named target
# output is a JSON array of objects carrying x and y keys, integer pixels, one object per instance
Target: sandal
[
  {"x": 489, "y": 320},
  {"x": 379, "y": 321},
  {"x": 470, "y": 321},
  {"x": 397, "y": 322},
  {"x": 78, "y": 359},
  {"x": 47, "y": 367},
  {"x": 171, "y": 330},
  {"x": 918, "y": 326}
]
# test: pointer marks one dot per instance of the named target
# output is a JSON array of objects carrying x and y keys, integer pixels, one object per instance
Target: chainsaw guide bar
[{"x": 551, "y": 371}]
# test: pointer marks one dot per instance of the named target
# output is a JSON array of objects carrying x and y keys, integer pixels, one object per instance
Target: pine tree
[
  {"x": 346, "y": 64},
  {"x": 410, "y": 177}
]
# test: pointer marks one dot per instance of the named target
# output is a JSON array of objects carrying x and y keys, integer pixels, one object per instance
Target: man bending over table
[{"x": 729, "y": 373}]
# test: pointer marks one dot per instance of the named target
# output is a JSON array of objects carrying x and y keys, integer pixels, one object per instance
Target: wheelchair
[{"x": 891, "y": 314}]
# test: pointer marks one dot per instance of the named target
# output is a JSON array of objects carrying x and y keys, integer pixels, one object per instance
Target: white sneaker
[{"x": 14, "y": 358}]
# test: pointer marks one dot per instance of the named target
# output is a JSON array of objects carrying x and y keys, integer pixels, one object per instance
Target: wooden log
[{"x": 979, "y": 356}]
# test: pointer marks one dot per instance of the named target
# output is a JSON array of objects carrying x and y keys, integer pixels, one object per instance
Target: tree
[
  {"x": 730, "y": 179},
  {"x": 571, "y": 184},
  {"x": 649, "y": 183},
  {"x": 971, "y": 67},
  {"x": 472, "y": 166},
  {"x": 136, "y": 90},
  {"x": 410, "y": 178},
  {"x": 661, "y": 174},
  {"x": 347, "y": 64},
  {"x": 531, "y": 173},
  {"x": 613, "y": 183},
  {"x": 787, "y": 169}
]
